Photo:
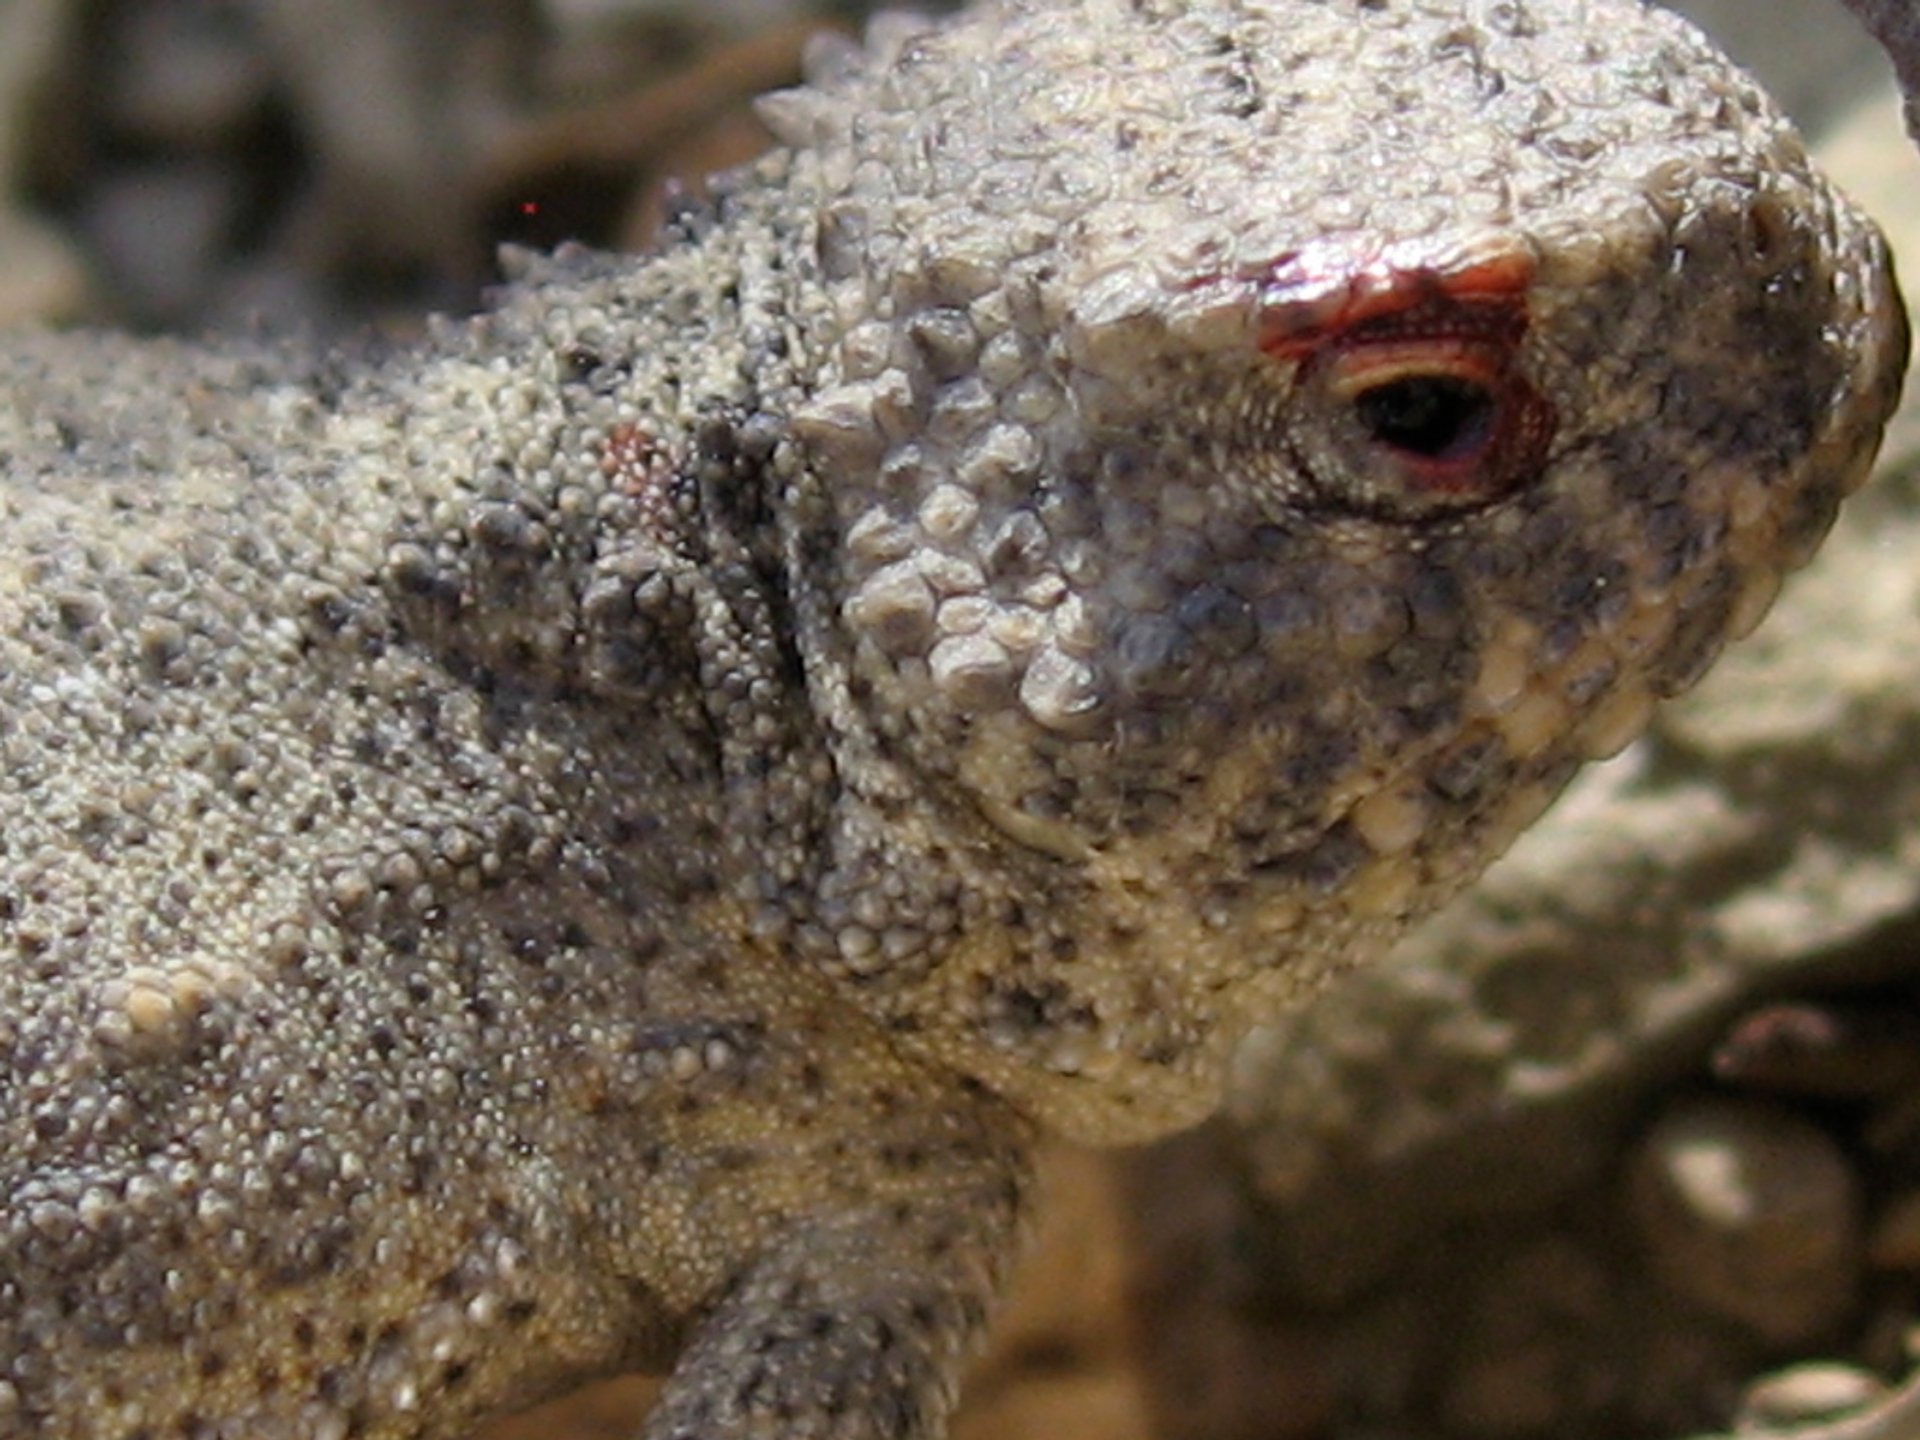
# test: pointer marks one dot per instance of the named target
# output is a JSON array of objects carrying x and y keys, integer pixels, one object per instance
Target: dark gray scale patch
[
  {"x": 1698, "y": 636},
  {"x": 1237, "y": 86},
  {"x": 1220, "y": 622},
  {"x": 1808, "y": 519},
  {"x": 1325, "y": 867},
  {"x": 1672, "y": 534},
  {"x": 1153, "y": 658},
  {"x": 1472, "y": 771},
  {"x": 1034, "y": 1007}
]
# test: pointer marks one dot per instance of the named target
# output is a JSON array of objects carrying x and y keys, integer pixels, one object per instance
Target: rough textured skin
[
  {"x": 1763, "y": 844},
  {"x": 597, "y": 840}
]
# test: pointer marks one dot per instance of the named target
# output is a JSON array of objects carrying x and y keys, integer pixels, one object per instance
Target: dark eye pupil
[{"x": 1438, "y": 417}]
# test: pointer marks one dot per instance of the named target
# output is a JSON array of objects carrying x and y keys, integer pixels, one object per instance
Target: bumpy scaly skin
[{"x": 599, "y": 838}]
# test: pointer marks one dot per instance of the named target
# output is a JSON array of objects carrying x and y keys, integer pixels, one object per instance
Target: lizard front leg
[{"x": 857, "y": 1326}]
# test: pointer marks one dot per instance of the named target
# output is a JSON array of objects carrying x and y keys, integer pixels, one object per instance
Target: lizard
[{"x": 599, "y": 839}]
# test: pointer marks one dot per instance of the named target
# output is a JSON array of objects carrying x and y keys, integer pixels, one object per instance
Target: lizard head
[{"x": 1269, "y": 447}]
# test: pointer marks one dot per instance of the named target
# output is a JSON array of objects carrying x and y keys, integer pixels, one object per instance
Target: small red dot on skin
[
  {"x": 629, "y": 453},
  {"x": 529, "y": 207},
  {"x": 633, "y": 459}
]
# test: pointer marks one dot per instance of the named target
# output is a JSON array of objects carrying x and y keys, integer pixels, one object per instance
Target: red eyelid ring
[
  {"x": 1307, "y": 300},
  {"x": 1487, "y": 462},
  {"x": 1363, "y": 328}
]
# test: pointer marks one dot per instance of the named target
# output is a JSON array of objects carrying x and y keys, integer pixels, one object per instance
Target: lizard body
[{"x": 597, "y": 841}]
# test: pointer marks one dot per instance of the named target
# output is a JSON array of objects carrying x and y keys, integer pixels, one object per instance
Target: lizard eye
[
  {"x": 1412, "y": 425},
  {"x": 1437, "y": 419},
  {"x": 1435, "y": 411},
  {"x": 1412, "y": 400}
]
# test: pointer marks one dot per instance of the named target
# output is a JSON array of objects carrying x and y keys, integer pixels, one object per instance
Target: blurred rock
[
  {"x": 1534, "y": 1343},
  {"x": 1809, "y": 53},
  {"x": 1894, "y": 1243},
  {"x": 156, "y": 232},
  {"x": 1806, "y": 1395},
  {"x": 1216, "y": 1361},
  {"x": 1751, "y": 1213},
  {"x": 42, "y": 277},
  {"x": 183, "y": 73},
  {"x": 33, "y": 36}
]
